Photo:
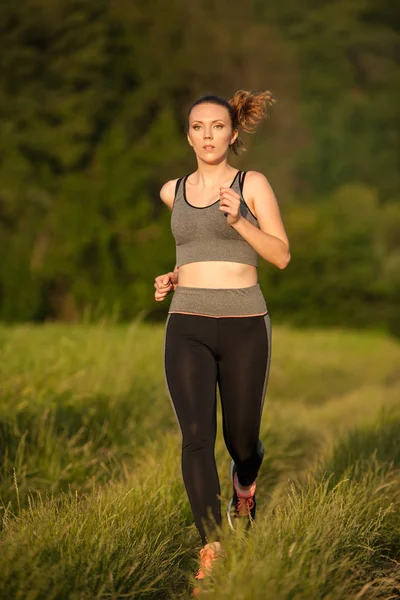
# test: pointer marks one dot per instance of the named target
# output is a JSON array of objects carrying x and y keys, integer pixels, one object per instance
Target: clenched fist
[
  {"x": 165, "y": 284},
  {"x": 230, "y": 204}
]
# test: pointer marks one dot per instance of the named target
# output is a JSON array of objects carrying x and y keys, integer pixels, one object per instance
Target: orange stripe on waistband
[{"x": 179, "y": 312}]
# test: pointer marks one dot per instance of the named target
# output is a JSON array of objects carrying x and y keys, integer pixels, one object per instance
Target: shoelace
[
  {"x": 244, "y": 503},
  {"x": 244, "y": 506}
]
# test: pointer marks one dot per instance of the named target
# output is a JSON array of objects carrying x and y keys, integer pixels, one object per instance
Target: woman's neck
[{"x": 208, "y": 176}]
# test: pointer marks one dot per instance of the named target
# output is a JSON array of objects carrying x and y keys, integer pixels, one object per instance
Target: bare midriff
[{"x": 217, "y": 274}]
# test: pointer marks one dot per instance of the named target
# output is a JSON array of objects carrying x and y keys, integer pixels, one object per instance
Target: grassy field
[{"x": 92, "y": 500}]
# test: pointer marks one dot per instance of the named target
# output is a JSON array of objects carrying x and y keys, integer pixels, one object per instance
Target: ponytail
[{"x": 249, "y": 109}]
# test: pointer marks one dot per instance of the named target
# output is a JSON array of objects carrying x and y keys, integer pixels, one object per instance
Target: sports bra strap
[
  {"x": 242, "y": 175},
  {"x": 177, "y": 187}
]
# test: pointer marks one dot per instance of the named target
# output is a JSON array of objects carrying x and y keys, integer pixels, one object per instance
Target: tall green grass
[{"x": 92, "y": 499}]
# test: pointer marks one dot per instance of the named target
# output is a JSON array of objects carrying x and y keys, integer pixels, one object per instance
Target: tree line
[{"x": 93, "y": 97}]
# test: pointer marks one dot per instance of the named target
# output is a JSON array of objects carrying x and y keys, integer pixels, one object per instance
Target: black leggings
[{"x": 199, "y": 352}]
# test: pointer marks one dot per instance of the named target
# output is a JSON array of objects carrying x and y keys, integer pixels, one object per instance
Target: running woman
[{"x": 218, "y": 329}]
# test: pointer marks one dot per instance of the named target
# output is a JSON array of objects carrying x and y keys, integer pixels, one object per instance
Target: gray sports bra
[{"x": 202, "y": 233}]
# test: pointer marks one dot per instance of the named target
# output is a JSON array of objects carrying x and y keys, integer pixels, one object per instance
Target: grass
[{"x": 92, "y": 500}]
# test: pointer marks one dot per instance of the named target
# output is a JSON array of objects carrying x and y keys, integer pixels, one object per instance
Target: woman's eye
[{"x": 198, "y": 126}]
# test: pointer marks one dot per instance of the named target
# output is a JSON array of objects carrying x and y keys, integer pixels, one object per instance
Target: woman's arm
[
  {"x": 167, "y": 282},
  {"x": 167, "y": 195},
  {"x": 270, "y": 241}
]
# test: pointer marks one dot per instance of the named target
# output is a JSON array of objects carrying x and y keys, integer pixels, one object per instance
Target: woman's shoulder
[
  {"x": 254, "y": 182},
  {"x": 167, "y": 192},
  {"x": 255, "y": 189},
  {"x": 255, "y": 176}
]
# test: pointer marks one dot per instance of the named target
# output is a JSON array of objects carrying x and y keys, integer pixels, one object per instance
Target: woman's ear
[{"x": 235, "y": 135}]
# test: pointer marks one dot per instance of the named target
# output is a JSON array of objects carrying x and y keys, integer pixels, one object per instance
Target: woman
[{"x": 218, "y": 327}]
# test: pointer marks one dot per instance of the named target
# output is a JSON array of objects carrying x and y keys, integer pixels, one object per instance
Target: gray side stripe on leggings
[
  {"x": 165, "y": 371},
  {"x": 268, "y": 328}
]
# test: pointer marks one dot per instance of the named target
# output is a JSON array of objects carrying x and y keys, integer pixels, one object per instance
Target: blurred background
[{"x": 93, "y": 98}]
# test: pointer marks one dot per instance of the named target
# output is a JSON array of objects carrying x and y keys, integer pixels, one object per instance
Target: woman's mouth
[{"x": 208, "y": 148}]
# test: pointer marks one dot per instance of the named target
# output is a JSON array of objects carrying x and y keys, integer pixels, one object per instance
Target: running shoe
[
  {"x": 207, "y": 557},
  {"x": 243, "y": 503}
]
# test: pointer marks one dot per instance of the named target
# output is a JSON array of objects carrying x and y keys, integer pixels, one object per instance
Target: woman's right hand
[{"x": 165, "y": 284}]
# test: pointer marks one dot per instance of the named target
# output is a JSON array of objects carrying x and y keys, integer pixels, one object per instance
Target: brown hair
[{"x": 246, "y": 110}]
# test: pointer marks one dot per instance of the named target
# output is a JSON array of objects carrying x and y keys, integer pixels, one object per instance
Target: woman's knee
[
  {"x": 243, "y": 452},
  {"x": 196, "y": 439}
]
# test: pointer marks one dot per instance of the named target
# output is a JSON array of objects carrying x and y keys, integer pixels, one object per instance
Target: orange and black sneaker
[
  {"x": 208, "y": 554},
  {"x": 243, "y": 502}
]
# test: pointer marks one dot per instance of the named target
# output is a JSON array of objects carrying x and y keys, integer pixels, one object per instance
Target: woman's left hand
[{"x": 230, "y": 204}]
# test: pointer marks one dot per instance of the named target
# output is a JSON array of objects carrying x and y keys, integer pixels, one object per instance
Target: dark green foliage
[{"x": 93, "y": 97}]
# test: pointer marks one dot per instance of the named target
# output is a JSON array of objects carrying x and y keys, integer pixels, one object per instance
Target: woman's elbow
[{"x": 284, "y": 260}]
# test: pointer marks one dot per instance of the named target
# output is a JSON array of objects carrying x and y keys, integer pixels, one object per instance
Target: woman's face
[{"x": 210, "y": 131}]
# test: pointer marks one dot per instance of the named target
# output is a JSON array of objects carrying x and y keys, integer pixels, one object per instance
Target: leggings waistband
[{"x": 219, "y": 302}]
